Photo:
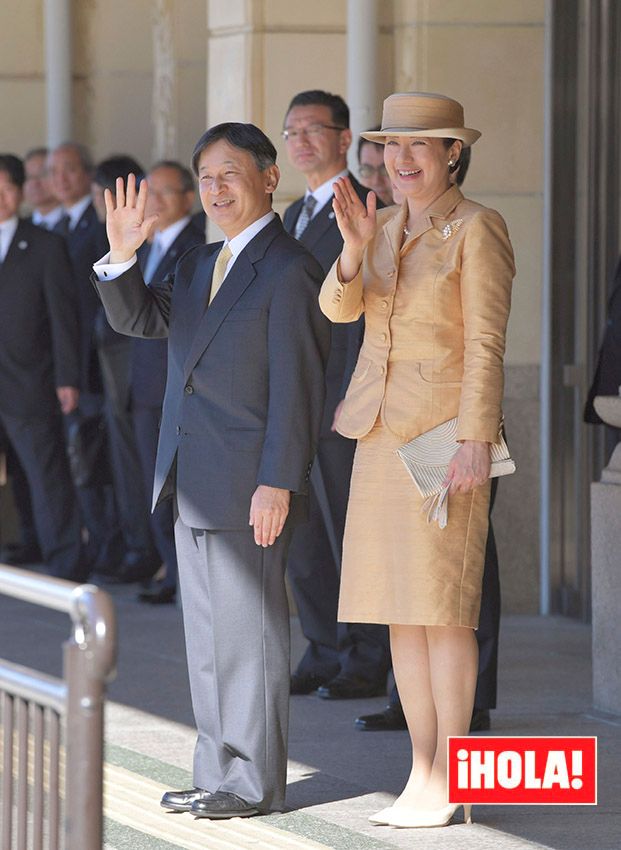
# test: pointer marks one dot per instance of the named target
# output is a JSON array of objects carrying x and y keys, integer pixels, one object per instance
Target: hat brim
[{"x": 464, "y": 134}]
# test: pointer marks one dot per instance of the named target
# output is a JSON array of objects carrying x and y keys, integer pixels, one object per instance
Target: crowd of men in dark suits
[
  {"x": 70, "y": 385},
  {"x": 222, "y": 388}
]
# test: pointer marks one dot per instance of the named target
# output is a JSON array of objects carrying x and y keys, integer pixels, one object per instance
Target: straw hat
[{"x": 422, "y": 114}]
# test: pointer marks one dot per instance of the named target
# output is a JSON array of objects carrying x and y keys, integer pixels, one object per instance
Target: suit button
[
  {"x": 383, "y": 337},
  {"x": 391, "y": 273},
  {"x": 189, "y": 389},
  {"x": 384, "y": 305},
  {"x": 178, "y": 429},
  {"x": 382, "y": 370}
]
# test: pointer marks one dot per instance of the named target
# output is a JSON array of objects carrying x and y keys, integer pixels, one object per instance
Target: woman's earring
[{"x": 451, "y": 163}]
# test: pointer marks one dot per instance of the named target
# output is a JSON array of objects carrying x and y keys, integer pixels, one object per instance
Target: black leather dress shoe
[
  {"x": 158, "y": 596},
  {"x": 350, "y": 687},
  {"x": 305, "y": 683},
  {"x": 388, "y": 720},
  {"x": 223, "y": 804},
  {"x": 480, "y": 720},
  {"x": 181, "y": 801}
]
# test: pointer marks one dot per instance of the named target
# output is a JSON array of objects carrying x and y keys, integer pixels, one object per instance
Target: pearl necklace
[{"x": 406, "y": 231}]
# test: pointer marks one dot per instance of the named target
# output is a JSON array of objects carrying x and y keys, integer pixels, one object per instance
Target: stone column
[
  {"x": 362, "y": 69},
  {"x": 606, "y": 570},
  {"x": 58, "y": 25}
]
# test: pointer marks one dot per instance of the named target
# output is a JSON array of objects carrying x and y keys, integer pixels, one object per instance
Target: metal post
[
  {"x": 58, "y": 70},
  {"x": 89, "y": 659},
  {"x": 362, "y": 69}
]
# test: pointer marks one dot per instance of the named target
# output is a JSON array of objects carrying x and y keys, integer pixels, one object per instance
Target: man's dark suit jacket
[
  {"x": 323, "y": 239},
  {"x": 148, "y": 378},
  {"x": 85, "y": 247},
  {"x": 607, "y": 379},
  {"x": 245, "y": 385},
  {"x": 39, "y": 347}
]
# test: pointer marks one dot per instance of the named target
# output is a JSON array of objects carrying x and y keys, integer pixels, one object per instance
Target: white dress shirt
[
  {"x": 76, "y": 211},
  {"x": 7, "y": 232},
  {"x": 49, "y": 220},
  {"x": 105, "y": 270},
  {"x": 323, "y": 193}
]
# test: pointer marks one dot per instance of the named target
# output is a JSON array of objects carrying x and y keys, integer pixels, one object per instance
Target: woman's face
[{"x": 418, "y": 166}]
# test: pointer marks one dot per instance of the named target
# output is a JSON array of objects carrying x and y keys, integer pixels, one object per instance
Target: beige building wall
[{"x": 149, "y": 75}]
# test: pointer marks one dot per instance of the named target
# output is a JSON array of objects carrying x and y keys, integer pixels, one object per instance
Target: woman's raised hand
[
  {"x": 126, "y": 224},
  {"x": 356, "y": 223}
]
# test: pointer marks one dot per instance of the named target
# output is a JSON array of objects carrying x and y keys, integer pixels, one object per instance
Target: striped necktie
[
  {"x": 219, "y": 270},
  {"x": 305, "y": 215}
]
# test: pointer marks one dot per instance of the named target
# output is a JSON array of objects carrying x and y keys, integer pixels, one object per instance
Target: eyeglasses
[
  {"x": 311, "y": 130},
  {"x": 367, "y": 171}
]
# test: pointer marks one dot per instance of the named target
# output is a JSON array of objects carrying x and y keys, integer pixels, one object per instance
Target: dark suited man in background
[
  {"x": 38, "y": 195},
  {"x": 114, "y": 351},
  {"x": 70, "y": 169},
  {"x": 171, "y": 198},
  {"x": 39, "y": 370},
  {"x": 247, "y": 346},
  {"x": 352, "y": 660},
  {"x": 45, "y": 212}
]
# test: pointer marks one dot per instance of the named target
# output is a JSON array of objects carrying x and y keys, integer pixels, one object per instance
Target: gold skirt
[{"x": 397, "y": 568}]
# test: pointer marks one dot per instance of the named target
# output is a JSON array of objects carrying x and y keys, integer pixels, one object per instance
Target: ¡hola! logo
[{"x": 550, "y": 771}]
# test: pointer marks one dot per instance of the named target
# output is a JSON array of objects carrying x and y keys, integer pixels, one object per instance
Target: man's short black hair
[
  {"x": 362, "y": 142},
  {"x": 317, "y": 97},
  {"x": 119, "y": 165},
  {"x": 246, "y": 137},
  {"x": 14, "y": 167},
  {"x": 185, "y": 175}
]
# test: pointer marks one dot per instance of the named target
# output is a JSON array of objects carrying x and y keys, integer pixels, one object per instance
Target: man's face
[
  {"x": 37, "y": 189},
  {"x": 373, "y": 172},
  {"x": 10, "y": 197},
  {"x": 167, "y": 197},
  {"x": 233, "y": 191},
  {"x": 313, "y": 146},
  {"x": 70, "y": 180}
]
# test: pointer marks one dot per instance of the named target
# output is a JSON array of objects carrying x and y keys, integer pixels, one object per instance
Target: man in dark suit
[
  {"x": 39, "y": 369},
  {"x": 171, "y": 198},
  {"x": 247, "y": 347},
  {"x": 46, "y": 212},
  {"x": 348, "y": 660},
  {"x": 70, "y": 168}
]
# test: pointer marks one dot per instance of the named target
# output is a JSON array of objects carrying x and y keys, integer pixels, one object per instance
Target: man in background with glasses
[
  {"x": 372, "y": 170},
  {"x": 344, "y": 661}
]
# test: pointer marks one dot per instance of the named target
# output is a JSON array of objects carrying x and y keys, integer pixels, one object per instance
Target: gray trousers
[{"x": 236, "y": 622}]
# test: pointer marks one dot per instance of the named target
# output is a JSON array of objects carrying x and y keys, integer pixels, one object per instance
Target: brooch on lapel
[
  {"x": 22, "y": 245},
  {"x": 449, "y": 229}
]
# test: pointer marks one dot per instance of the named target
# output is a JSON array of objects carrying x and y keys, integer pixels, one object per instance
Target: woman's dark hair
[
  {"x": 120, "y": 165},
  {"x": 317, "y": 97},
  {"x": 246, "y": 137},
  {"x": 462, "y": 164},
  {"x": 14, "y": 167}
]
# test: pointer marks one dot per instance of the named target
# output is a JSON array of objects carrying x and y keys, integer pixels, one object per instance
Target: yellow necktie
[{"x": 218, "y": 270}]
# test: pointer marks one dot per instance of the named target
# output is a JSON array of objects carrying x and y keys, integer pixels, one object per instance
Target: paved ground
[{"x": 337, "y": 775}]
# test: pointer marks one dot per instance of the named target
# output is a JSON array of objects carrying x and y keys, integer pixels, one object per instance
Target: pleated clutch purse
[{"x": 427, "y": 457}]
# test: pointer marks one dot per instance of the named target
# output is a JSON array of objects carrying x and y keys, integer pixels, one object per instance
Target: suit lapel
[
  {"x": 235, "y": 284},
  {"x": 317, "y": 227},
  {"x": 18, "y": 249},
  {"x": 292, "y": 215}
]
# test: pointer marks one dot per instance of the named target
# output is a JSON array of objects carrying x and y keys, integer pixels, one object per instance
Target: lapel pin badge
[
  {"x": 331, "y": 215},
  {"x": 22, "y": 245},
  {"x": 449, "y": 229}
]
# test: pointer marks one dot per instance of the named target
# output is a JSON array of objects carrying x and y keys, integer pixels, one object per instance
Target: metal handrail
[{"x": 89, "y": 663}]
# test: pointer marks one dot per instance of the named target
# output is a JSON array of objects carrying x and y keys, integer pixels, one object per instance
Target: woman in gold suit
[{"x": 433, "y": 279}]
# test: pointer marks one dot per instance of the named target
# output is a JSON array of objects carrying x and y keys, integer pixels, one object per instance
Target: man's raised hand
[{"x": 126, "y": 224}]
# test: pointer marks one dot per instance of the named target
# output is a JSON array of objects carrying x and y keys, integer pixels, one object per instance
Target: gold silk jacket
[{"x": 436, "y": 311}]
